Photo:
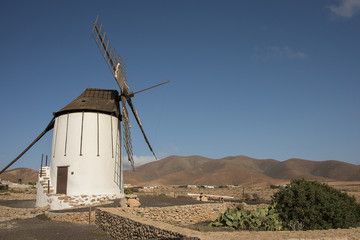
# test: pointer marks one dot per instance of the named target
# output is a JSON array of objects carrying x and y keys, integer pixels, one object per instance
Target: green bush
[
  {"x": 4, "y": 192},
  {"x": 43, "y": 217},
  {"x": 246, "y": 197},
  {"x": 135, "y": 189},
  {"x": 256, "y": 197},
  {"x": 131, "y": 190},
  {"x": 128, "y": 191},
  {"x": 260, "y": 219},
  {"x": 311, "y": 205}
]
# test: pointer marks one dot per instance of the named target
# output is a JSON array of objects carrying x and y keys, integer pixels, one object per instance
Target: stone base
[{"x": 62, "y": 201}]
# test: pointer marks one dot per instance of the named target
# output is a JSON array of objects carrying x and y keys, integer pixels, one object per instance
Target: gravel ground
[
  {"x": 28, "y": 203},
  {"x": 34, "y": 228}
]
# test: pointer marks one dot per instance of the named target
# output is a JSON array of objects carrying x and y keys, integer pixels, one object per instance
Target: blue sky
[{"x": 266, "y": 79}]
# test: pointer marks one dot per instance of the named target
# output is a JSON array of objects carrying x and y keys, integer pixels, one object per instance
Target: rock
[
  {"x": 133, "y": 203},
  {"x": 204, "y": 199},
  {"x": 122, "y": 203}
]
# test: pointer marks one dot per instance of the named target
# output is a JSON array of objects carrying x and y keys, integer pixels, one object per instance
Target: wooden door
[{"x": 62, "y": 175}]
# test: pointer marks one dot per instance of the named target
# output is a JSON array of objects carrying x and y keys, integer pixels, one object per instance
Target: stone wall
[
  {"x": 121, "y": 225},
  {"x": 182, "y": 215}
]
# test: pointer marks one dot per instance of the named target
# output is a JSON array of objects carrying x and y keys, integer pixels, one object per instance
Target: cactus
[{"x": 260, "y": 219}]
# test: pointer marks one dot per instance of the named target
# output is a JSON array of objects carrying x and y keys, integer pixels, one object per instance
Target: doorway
[{"x": 61, "y": 184}]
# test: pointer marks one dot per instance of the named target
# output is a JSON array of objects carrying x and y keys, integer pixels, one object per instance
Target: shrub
[
  {"x": 135, "y": 189},
  {"x": 128, "y": 191},
  {"x": 311, "y": 205},
  {"x": 4, "y": 192},
  {"x": 260, "y": 219},
  {"x": 246, "y": 197},
  {"x": 131, "y": 190},
  {"x": 43, "y": 217},
  {"x": 256, "y": 197}
]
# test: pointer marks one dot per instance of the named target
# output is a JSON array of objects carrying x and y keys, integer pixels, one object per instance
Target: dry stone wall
[
  {"x": 126, "y": 226},
  {"x": 181, "y": 215}
]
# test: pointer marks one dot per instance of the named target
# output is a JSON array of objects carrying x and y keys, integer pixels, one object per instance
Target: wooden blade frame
[
  {"x": 126, "y": 132},
  {"x": 48, "y": 128},
  {"x": 111, "y": 56},
  {"x": 119, "y": 70},
  {"x": 140, "y": 125}
]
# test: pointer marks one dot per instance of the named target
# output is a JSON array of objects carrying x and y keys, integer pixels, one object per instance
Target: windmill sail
[
  {"x": 140, "y": 125},
  {"x": 111, "y": 56},
  {"x": 48, "y": 128},
  {"x": 126, "y": 132},
  {"x": 118, "y": 68}
]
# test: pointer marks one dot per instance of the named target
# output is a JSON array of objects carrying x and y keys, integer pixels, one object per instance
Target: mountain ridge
[
  {"x": 25, "y": 174},
  {"x": 231, "y": 170},
  {"x": 241, "y": 170}
]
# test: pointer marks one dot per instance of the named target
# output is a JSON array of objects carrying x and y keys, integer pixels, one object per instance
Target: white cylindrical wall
[{"x": 86, "y": 143}]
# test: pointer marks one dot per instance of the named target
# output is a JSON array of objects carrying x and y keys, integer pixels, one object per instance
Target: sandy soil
[{"x": 36, "y": 229}]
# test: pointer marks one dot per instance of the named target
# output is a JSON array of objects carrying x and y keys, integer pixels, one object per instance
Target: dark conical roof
[{"x": 94, "y": 100}]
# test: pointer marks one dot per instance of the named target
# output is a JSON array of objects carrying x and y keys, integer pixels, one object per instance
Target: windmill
[
  {"x": 86, "y": 164},
  {"x": 119, "y": 70}
]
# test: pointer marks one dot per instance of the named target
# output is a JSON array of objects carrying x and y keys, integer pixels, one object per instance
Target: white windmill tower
[{"x": 86, "y": 154}]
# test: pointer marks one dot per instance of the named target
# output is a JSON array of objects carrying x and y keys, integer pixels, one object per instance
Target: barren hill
[
  {"x": 332, "y": 170},
  {"x": 242, "y": 170},
  {"x": 167, "y": 166},
  {"x": 25, "y": 174}
]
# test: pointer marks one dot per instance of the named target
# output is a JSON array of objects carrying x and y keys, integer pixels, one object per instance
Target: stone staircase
[{"x": 44, "y": 180}]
